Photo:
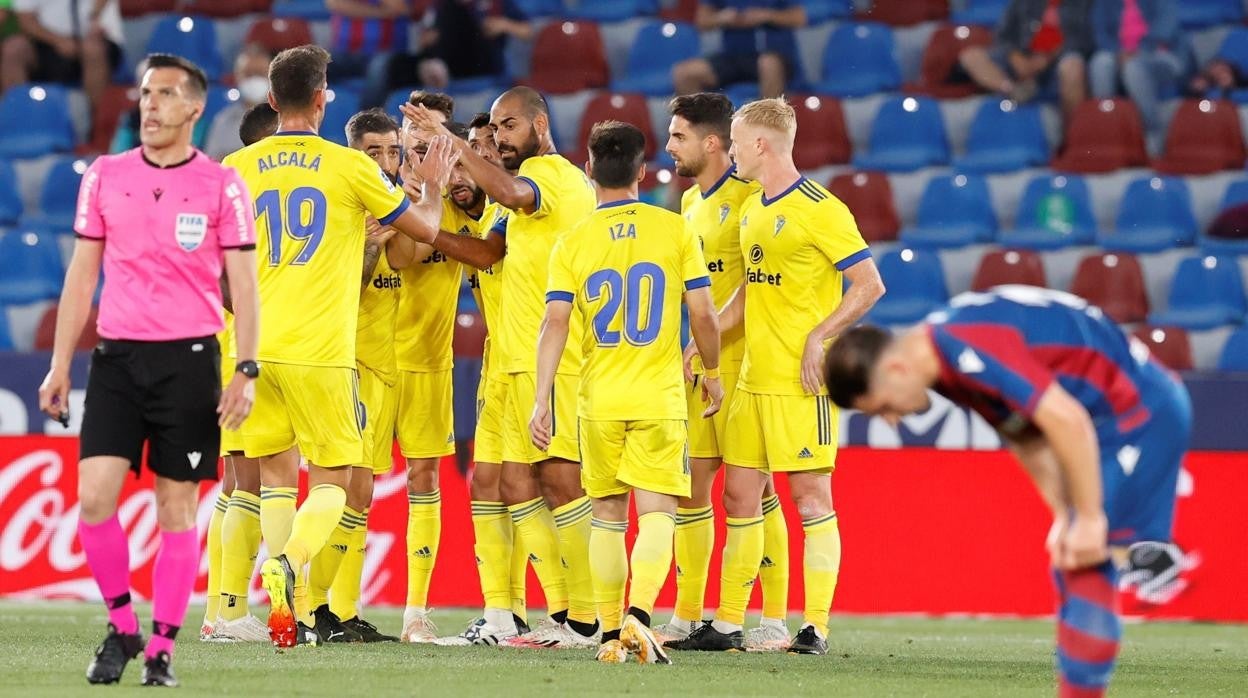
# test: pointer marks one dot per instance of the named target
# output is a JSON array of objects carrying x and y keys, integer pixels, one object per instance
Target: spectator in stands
[
  {"x": 8, "y": 20},
  {"x": 759, "y": 45},
  {"x": 365, "y": 37},
  {"x": 1038, "y": 42},
  {"x": 65, "y": 41},
  {"x": 470, "y": 37},
  {"x": 251, "y": 75},
  {"x": 1217, "y": 80},
  {"x": 1138, "y": 43}
]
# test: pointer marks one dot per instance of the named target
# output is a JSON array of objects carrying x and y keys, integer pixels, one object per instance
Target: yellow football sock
[
  {"x": 609, "y": 558},
  {"x": 519, "y": 575},
  {"x": 651, "y": 559},
  {"x": 344, "y": 593},
  {"x": 212, "y": 597},
  {"x": 821, "y": 565},
  {"x": 277, "y": 515},
  {"x": 328, "y": 562},
  {"x": 314, "y": 523},
  {"x": 491, "y": 526},
  {"x": 694, "y": 543},
  {"x": 774, "y": 572},
  {"x": 240, "y": 543},
  {"x": 424, "y": 529},
  {"x": 572, "y": 520},
  {"x": 536, "y": 526},
  {"x": 743, "y": 551}
]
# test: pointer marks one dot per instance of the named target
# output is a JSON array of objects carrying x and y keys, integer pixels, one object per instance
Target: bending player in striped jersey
[{"x": 624, "y": 270}]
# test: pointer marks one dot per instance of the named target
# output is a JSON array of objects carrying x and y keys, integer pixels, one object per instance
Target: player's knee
[
  {"x": 421, "y": 477},
  {"x": 486, "y": 485}
]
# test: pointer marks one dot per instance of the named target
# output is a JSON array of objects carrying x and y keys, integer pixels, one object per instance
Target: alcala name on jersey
[{"x": 292, "y": 158}]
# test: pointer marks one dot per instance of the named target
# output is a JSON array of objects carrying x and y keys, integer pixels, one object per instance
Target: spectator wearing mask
[
  {"x": 1139, "y": 48},
  {"x": 759, "y": 45},
  {"x": 251, "y": 76},
  {"x": 1038, "y": 42},
  {"x": 63, "y": 41}
]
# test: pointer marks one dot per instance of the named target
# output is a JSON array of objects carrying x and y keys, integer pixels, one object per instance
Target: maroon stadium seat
[
  {"x": 1114, "y": 282},
  {"x": 1009, "y": 267},
  {"x": 569, "y": 57},
  {"x": 902, "y": 13},
  {"x": 138, "y": 8},
  {"x": 45, "y": 333},
  {"x": 469, "y": 337},
  {"x": 680, "y": 11},
  {"x": 821, "y": 135},
  {"x": 1169, "y": 344},
  {"x": 1204, "y": 137},
  {"x": 279, "y": 34},
  {"x": 869, "y": 197},
  {"x": 1104, "y": 135},
  {"x": 629, "y": 108},
  {"x": 116, "y": 101},
  {"x": 222, "y": 8},
  {"x": 941, "y": 56}
]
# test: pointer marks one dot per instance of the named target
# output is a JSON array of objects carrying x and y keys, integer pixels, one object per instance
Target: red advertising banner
[{"x": 923, "y": 531}]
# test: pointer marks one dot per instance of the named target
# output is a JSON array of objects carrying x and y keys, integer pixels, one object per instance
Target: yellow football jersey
[
  {"x": 714, "y": 217},
  {"x": 626, "y": 269},
  {"x": 379, "y": 311},
  {"x": 795, "y": 247},
  {"x": 429, "y": 301},
  {"x": 488, "y": 283},
  {"x": 564, "y": 199},
  {"x": 225, "y": 338},
  {"x": 311, "y": 197}
]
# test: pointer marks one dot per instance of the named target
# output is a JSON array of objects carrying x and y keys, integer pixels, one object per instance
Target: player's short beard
[
  {"x": 478, "y": 194},
  {"x": 691, "y": 168},
  {"x": 512, "y": 159}
]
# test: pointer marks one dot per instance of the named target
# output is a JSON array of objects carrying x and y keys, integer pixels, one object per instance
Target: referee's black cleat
[
  {"x": 112, "y": 656},
  {"x": 808, "y": 642},
  {"x": 330, "y": 628},
  {"x": 708, "y": 639},
  {"x": 367, "y": 631},
  {"x": 156, "y": 672}
]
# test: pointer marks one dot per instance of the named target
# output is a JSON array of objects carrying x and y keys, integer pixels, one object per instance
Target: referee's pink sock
[
  {"x": 108, "y": 556},
  {"x": 173, "y": 578}
]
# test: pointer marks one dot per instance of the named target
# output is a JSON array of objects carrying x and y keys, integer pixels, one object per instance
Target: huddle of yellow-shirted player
[{"x": 583, "y": 402}]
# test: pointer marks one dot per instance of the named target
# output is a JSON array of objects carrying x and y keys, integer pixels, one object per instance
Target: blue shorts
[{"x": 1140, "y": 469}]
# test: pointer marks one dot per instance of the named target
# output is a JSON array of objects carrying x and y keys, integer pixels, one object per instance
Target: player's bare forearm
[
  {"x": 1068, "y": 431},
  {"x": 1037, "y": 458},
  {"x": 704, "y": 325},
  {"x": 240, "y": 268},
  {"x": 473, "y": 251},
  {"x": 866, "y": 288},
  {"x": 550, "y": 343},
  {"x": 500, "y": 185},
  {"x": 81, "y": 278},
  {"x": 733, "y": 313},
  {"x": 421, "y": 220},
  {"x": 372, "y": 253}
]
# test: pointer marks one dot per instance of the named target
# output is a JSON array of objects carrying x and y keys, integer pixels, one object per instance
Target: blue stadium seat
[
  {"x": 1004, "y": 137},
  {"x": 1194, "y": 14},
  {"x": 1236, "y": 195},
  {"x": 191, "y": 37},
  {"x": 10, "y": 197},
  {"x": 741, "y": 93},
  {"x": 908, "y": 133},
  {"x": 955, "y": 211},
  {"x": 1155, "y": 214},
  {"x": 6, "y": 335},
  {"x": 34, "y": 121},
  {"x": 858, "y": 60},
  {"x": 612, "y": 10},
  {"x": 30, "y": 266},
  {"x": 1235, "y": 48},
  {"x": 310, "y": 10},
  {"x": 916, "y": 286},
  {"x": 985, "y": 13},
  {"x": 1207, "y": 292},
  {"x": 540, "y": 8},
  {"x": 397, "y": 97},
  {"x": 1234, "y": 353},
  {"x": 819, "y": 11},
  {"x": 337, "y": 113},
  {"x": 658, "y": 46},
  {"x": 1055, "y": 212},
  {"x": 59, "y": 196}
]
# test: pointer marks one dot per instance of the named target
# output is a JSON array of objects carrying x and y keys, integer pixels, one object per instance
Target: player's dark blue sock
[{"x": 1088, "y": 630}]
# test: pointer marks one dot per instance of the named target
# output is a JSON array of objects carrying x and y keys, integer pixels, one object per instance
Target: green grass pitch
[{"x": 46, "y": 647}]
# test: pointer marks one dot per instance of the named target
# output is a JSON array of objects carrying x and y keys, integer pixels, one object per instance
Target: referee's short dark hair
[
  {"x": 616, "y": 153},
  {"x": 296, "y": 74},
  {"x": 259, "y": 122},
  {"x": 374, "y": 120},
  {"x": 710, "y": 112},
  {"x": 195, "y": 77}
]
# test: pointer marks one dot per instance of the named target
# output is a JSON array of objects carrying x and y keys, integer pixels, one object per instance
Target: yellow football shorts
[
  {"x": 708, "y": 435},
  {"x": 646, "y": 455},
  {"x": 314, "y": 407},
  {"x": 518, "y": 410},
  {"x": 381, "y": 407},
  {"x": 426, "y": 419},
  {"x": 781, "y": 433},
  {"x": 491, "y": 400}
]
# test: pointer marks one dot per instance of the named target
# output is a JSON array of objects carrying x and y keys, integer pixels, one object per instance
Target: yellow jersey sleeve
[
  {"x": 561, "y": 284},
  {"x": 544, "y": 176},
  {"x": 838, "y": 237},
  {"x": 692, "y": 263},
  {"x": 383, "y": 199}
]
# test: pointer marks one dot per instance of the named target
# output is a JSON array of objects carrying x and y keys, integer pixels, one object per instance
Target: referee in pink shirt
[{"x": 164, "y": 220}]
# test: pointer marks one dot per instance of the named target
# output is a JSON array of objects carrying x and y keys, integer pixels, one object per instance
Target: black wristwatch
[{"x": 251, "y": 369}]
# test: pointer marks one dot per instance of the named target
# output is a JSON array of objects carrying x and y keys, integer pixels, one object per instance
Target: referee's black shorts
[{"x": 164, "y": 394}]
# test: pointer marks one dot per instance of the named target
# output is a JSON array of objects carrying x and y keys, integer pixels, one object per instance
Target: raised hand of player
[
  {"x": 539, "y": 426},
  {"x": 712, "y": 392},
  {"x": 435, "y": 168},
  {"x": 691, "y": 350},
  {"x": 812, "y": 365},
  {"x": 236, "y": 401},
  {"x": 1078, "y": 541},
  {"x": 54, "y": 394}
]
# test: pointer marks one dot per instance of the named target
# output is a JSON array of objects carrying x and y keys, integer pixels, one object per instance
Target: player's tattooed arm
[{"x": 375, "y": 244}]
